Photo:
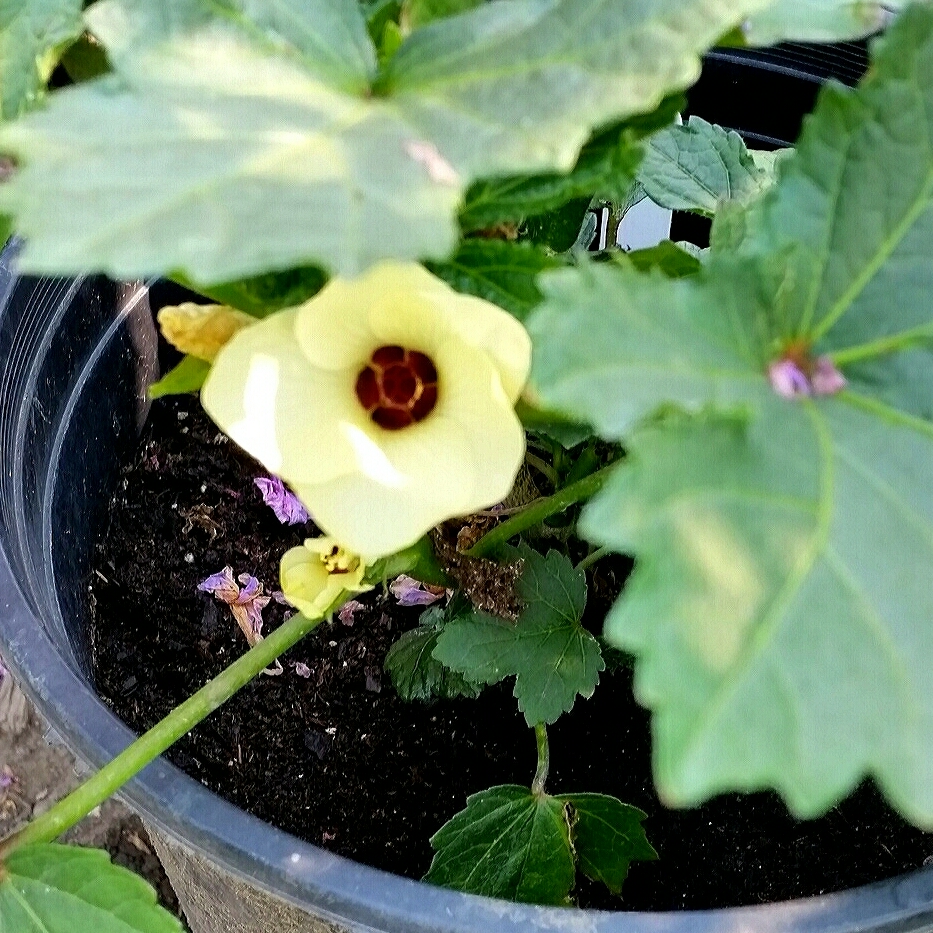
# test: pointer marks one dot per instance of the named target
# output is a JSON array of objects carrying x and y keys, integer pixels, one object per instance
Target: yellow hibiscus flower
[{"x": 385, "y": 402}]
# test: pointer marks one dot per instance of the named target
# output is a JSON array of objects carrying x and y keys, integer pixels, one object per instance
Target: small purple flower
[
  {"x": 302, "y": 669},
  {"x": 347, "y": 611},
  {"x": 827, "y": 380},
  {"x": 788, "y": 379},
  {"x": 411, "y": 592},
  {"x": 286, "y": 505}
]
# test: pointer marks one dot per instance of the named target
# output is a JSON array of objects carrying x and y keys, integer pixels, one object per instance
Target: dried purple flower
[
  {"x": 246, "y": 601},
  {"x": 788, "y": 379},
  {"x": 286, "y": 505},
  {"x": 347, "y": 611},
  {"x": 302, "y": 669},
  {"x": 411, "y": 592},
  {"x": 222, "y": 585},
  {"x": 826, "y": 379}
]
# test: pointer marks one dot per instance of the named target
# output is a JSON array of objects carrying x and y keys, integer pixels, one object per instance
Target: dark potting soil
[{"x": 339, "y": 760}]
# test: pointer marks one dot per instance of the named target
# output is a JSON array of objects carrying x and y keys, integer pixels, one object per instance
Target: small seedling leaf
[
  {"x": 507, "y": 843},
  {"x": 552, "y": 657},
  {"x": 415, "y": 673},
  {"x": 607, "y": 837},
  {"x": 696, "y": 166}
]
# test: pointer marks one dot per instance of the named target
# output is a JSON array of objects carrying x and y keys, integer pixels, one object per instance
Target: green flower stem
[
  {"x": 545, "y": 469},
  {"x": 594, "y": 556},
  {"x": 149, "y": 746},
  {"x": 539, "y": 511},
  {"x": 544, "y": 759}
]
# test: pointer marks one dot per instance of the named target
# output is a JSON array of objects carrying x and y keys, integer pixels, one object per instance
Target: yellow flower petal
[
  {"x": 201, "y": 330},
  {"x": 463, "y": 457},
  {"x": 288, "y": 415}
]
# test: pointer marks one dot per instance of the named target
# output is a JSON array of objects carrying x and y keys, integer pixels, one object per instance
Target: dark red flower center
[{"x": 398, "y": 387}]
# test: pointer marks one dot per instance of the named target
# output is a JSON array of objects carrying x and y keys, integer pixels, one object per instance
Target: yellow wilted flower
[
  {"x": 318, "y": 575},
  {"x": 201, "y": 330},
  {"x": 386, "y": 403}
]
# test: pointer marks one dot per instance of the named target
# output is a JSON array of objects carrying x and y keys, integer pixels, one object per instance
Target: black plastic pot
[{"x": 75, "y": 357}]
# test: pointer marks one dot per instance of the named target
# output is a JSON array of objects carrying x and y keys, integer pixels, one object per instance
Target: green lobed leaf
[
  {"x": 667, "y": 257},
  {"x": 63, "y": 889},
  {"x": 696, "y": 166},
  {"x": 264, "y": 294},
  {"x": 420, "y": 12},
  {"x": 607, "y": 837},
  {"x": 857, "y": 232},
  {"x": 187, "y": 376},
  {"x": 507, "y": 843},
  {"x": 563, "y": 228},
  {"x": 33, "y": 34},
  {"x": 245, "y": 138},
  {"x": 499, "y": 271},
  {"x": 553, "y": 658},
  {"x": 415, "y": 674},
  {"x": 779, "y": 610}
]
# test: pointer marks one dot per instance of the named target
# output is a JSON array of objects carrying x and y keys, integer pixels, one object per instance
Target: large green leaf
[
  {"x": 65, "y": 889},
  {"x": 551, "y": 655},
  {"x": 500, "y": 271},
  {"x": 33, "y": 34},
  {"x": 223, "y": 161},
  {"x": 517, "y": 85},
  {"x": 696, "y": 166},
  {"x": 854, "y": 210},
  {"x": 781, "y": 603},
  {"x": 816, "y": 21},
  {"x": 242, "y": 139},
  {"x": 329, "y": 37},
  {"x": 507, "y": 843},
  {"x": 671, "y": 351}
]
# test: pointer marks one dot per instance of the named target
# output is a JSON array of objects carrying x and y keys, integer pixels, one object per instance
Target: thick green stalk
[
  {"x": 539, "y": 511},
  {"x": 181, "y": 720},
  {"x": 544, "y": 759}
]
